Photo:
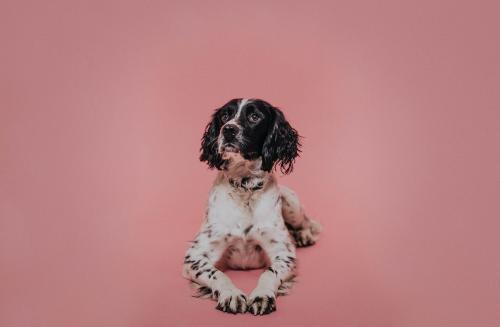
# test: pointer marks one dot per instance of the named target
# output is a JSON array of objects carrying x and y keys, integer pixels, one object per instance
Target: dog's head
[{"x": 251, "y": 128}]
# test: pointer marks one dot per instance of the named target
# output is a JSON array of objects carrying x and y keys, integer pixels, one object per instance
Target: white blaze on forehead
[{"x": 243, "y": 102}]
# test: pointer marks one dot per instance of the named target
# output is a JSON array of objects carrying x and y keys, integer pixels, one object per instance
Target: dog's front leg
[
  {"x": 199, "y": 266},
  {"x": 281, "y": 253}
]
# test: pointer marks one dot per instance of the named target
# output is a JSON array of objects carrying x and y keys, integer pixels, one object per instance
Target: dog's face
[{"x": 251, "y": 128}]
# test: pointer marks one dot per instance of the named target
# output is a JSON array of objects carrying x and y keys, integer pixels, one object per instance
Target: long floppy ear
[
  {"x": 281, "y": 146},
  {"x": 209, "y": 144}
]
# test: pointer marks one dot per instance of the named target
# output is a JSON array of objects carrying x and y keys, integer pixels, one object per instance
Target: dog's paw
[
  {"x": 303, "y": 237},
  {"x": 261, "y": 302},
  {"x": 231, "y": 300},
  {"x": 306, "y": 235}
]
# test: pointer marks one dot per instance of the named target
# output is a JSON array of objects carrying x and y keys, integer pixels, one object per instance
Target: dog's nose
[{"x": 230, "y": 131}]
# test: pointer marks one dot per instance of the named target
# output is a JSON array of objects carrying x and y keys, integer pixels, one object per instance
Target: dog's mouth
[{"x": 230, "y": 147}]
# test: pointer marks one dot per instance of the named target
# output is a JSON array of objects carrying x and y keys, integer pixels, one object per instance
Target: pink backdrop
[{"x": 102, "y": 109}]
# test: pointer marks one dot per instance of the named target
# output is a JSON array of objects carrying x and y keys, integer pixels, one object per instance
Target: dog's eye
[
  {"x": 254, "y": 117},
  {"x": 224, "y": 117}
]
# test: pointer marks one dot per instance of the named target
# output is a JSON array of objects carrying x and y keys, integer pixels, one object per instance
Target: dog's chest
[
  {"x": 241, "y": 215},
  {"x": 236, "y": 208},
  {"x": 243, "y": 249}
]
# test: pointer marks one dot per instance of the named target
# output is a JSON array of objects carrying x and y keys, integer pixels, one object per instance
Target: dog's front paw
[
  {"x": 262, "y": 302},
  {"x": 231, "y": 300}
]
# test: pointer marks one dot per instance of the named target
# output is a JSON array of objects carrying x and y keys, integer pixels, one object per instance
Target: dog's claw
[
  {"x": 262, "y": 305},
  {"x": 232, "y": 302}
]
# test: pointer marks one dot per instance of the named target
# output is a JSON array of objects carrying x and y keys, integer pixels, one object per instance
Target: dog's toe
[
  {"x": 262, "y": 303},
  {"x": 232, "y": 301}
]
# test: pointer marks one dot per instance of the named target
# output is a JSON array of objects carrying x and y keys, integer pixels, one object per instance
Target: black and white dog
[{"x": 251, "y": 221}]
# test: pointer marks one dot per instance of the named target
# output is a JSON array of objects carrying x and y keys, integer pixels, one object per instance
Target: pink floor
[{"x": 102, "y": 106}]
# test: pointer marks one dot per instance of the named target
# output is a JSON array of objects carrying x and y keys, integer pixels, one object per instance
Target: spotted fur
[{"x": 251, "y": 222}]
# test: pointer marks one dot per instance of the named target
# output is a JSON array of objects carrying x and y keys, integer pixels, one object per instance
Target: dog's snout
[{"x": 230, "y": 131}]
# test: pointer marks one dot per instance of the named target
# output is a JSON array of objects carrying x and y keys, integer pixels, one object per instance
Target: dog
[{"x": 250, "y": 222}]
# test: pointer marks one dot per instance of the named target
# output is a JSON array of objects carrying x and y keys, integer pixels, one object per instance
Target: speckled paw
[
  {"x": 231, "y": 301},
  {"x": 261, "y": 303}
]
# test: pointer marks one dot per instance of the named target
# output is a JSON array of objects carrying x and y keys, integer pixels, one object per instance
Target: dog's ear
[
  {"x": 209, "y": 144},
  {"x": 282, "y": 144}
]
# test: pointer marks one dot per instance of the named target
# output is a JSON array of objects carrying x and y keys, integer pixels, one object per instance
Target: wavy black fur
[
  {"x": 282, "y": 145},
  {"x": 273, "y": 138}
]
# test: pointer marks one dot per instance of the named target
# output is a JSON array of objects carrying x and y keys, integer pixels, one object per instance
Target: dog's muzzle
[{"x": 230, "y": 140}]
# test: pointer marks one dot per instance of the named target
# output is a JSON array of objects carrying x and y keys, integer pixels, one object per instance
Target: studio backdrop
[{"x": 102, "y": 109}]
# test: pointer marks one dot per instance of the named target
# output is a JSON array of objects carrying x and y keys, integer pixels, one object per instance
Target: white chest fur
[{"x": 241, "y": 217}]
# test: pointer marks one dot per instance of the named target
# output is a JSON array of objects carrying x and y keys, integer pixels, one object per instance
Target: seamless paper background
[{"x": 102, "y": 107}]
